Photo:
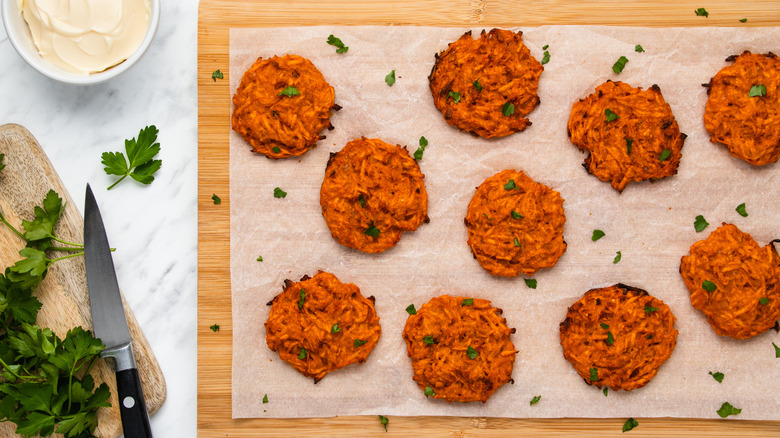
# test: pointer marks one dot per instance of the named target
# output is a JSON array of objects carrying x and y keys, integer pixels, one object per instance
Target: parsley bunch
[
  {"x": 139, "y": 164},
  {"x": 45, "y": 385}
]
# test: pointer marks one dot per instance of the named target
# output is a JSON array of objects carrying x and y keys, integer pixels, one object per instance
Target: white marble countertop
[{"x": 154, "y": 228}]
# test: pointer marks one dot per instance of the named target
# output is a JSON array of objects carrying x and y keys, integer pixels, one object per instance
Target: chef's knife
[{"x": 110, "y": 323}]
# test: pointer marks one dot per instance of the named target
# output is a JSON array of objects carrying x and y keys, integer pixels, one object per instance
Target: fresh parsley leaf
[
  {"x": 517, "y": 242},
  {"x": 594, "y": 374},
  {"x": 216, "y": 75},
  {"x": 372, "y": 231},
  {"x": 516, "y": 215},
  {"x": 604, "y": 326},
  {"x": 279, "y": 193},
  {"x": 471, "y": 352},
  {"x": 303, "y": 354},
  {"x": 477, "y": 85},
  {"x": 757, "y": 91},
  {"x": 610, "y": 115},
  {"x": 454, "y": 95},
  {"x": 650, "y": 309},
  {"x": 508, "y": 109},
  {"x": 362, "y": 201},
  {"x": 763, "y": 301},
  {"x": 665, "y": 154},
  {"x": 700, "y": 223},
  {"x": 217, "y": 199},
  {"x": 275, "y": 149},
  {"x": 617, "y": 258},
  {"x": 741, "y": 210},
  {"x": 428, "y": 340},
  {"x": 777, "y": 350},
  {"x": 333, "y": 41},
  {"x": 605, "y": 391},
  {"x": 467, "y": 302},
  {"x": 597, "y": 234},
  {"x": 530, "y": 283},
  {"x": 638, "y": 49},
  {"x": 717, "y": 376},
  {"x": 743, "y": 20},
  {"x": 139, "y": 163},
  {"x": 619, "y": 65},
  {"x": 510, "y": 185},
  {"x": 708, "y": 286},
  {"x": 289, "y": 91},
  {"x": 265, "y": 398},
  {"x": 629, "y": 142},
  {"x": 701, "y": 12},
  {"x": 390, "y": 78},
  {"x": 302, "y": 295},
  {"x": 359, "y": 342},
  {"x": 429, "y": 391},
  {"x": 423, "y": 141},
  {"x": 41, "y": 229},
  {"x": 214, "y": 328},
  {"x": 610, "y": 338},
  {"x": 335, "y": 328},
  {"x": 546, "y": 57},
  {"x": 630, "y": 424},
  {"x": 418, "y": 154},
  {"x": 2, "y": 157},
  {"x": 411, "y": 310},
  {"x": 726, "y": 409},
  {"x": 535, "y": 400},
  {"x": 545, "y": 47},
  {"x": 383, "y": 420},
  {"x": 259, "y": 258}
]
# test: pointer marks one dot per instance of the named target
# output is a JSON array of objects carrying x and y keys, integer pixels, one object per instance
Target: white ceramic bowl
[{"x": 21, "y": 38}]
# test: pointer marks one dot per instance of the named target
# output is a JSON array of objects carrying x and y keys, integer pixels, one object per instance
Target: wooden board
[
  {"x": 24, "y": 182},
  {"x": 215, "y": 18}
]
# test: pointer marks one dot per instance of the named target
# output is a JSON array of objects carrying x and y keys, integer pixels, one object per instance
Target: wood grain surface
[
  {"x": 215, "y": 18},
  {"x": 24, "y": 182}
]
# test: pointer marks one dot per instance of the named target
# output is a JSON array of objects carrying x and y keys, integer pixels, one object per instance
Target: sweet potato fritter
[
  {"x": 371, "y": 194},
  {"x": 745, "y": 301},
  {"x": 515, "y": 225},
  {"x": 643, "y": 142},
  {"x": 748, "y": 126},
  {"x": 474, "y": 82},
  {"x": 618, "y": 336},
  {"x": 461, "y": 351},
  {"x": 330, "y": 320},
  {"x": 277, "y": 125}
]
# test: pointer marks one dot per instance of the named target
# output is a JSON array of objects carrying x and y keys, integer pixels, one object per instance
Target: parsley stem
[
  {"x": 7, "y": 368},
  {"x": 66, "y": 257},
  {"x": 117, "y": 182},
  {"x": 2, "y": 219},
  {"x": 67, "y": 243},
  {"x": 65, "y": 248}
]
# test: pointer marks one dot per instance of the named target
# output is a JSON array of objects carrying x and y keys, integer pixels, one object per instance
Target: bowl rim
[{"x": 45, "y": 68}]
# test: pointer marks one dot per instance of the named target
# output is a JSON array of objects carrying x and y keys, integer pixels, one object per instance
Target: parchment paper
[{"x": 650, "y": 223}]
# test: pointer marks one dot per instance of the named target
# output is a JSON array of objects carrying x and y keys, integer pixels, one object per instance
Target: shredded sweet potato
[
  {"x": 372, "y": 192},
  {"x": 636, "y": 338},
  {"x": 332, "y": 321},
  {"x": 630, "y": 147},
  {"x": 743, "y": 275},
  {"x": 748, "y": 126},
  {"x": 280, "y": 126},
  {"x": 454, "y": 330},
  {"x": 472, "y": 80},
  {"x": 515, "y": 230}
]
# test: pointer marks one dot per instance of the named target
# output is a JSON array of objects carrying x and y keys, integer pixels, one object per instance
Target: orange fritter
[
  {"x": 460, "y": 348},
  {"x": 748, "y": 126},
  {"x": 742, "y": 296},
  {"x": 320, "y": 324},
  {"x": 273, "y": 123},
  {"x": 486, "y": 86},
  {"x": 630, "y": 134},
  {"x": 371, "y": 194},
  {"x": 515, "y": 225},
  {"x": 618, "y": 336}
]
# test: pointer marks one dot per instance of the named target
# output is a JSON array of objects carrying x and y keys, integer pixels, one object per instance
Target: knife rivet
[{"x": 128, "y": 402}]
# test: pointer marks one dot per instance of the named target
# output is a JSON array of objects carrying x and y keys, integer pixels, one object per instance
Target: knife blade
[{"x": 110, "y": 323}]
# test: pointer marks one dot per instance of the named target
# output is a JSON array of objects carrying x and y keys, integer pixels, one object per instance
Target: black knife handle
[{"x": 132, "y": 407}]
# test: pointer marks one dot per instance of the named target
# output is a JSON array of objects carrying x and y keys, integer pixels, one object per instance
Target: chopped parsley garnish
[
  {"x": 216, "y": 199},
  {"x": 545, "y": 47},
  {"x": 630, "y": 424},
  {"x": 274, "y": 113},
  {"x": 650, "y": 309},
  {"x": 390, "y": 78},
  {"x": 717, "y": 376},
  {"x": 487, "y": 217},
  {"x": 510, "y": 185},
  {"x": 418, "y": 154},
  {"x": 604, "y": 326},
  {"x": 594, "y": 374},
  {"x": 610, "y": 338},
  {"x": 217, "y": 75},
  {"x": 701, "y": 12},
  {"x": 726, "y": 409},
  {"x": 279, "y": 193},
  {"x": 700, "y": 223},
  {"x": 619, "y": 65},
  {"x": 516, "y": 215},
  {"x": 757, "y": 91},
  {"x": 289, "y": 92},
  {"x": 411, "y": 310},
  {"x": 214, "y": 328},
  {"x": 508, "y": 109},
  {"x": 605, "y": 391},
  {"x": 743, "y": 20},
  {"x": 303, "y": 354},
  {"x": 546, "y": 57},
  {"x": 454, "y": 95},
  {"x": 467, "y": 302},
  {"x": 372, "y": 231},
  {"x": 302, "y": 294},
  {"x": 777, "y": 350},
  {"x": 708, "y": 286},
  {"x": 530, "y": 282},
  {"x": 471, "y": 352},
  {"x": 649, "y": 337},
  {"x": 265, "y": 398},
  {"x": 428, "y": 340},
  {"x": 629, "y": 142},
  {"x": 333, "y": 41},
  {"x": 362, "y": 201},
  {"x": 517, "y": 242},
  {"x": 617, "y": 258},
  {"x": 359, "y": 342},
  {"x": 429, "y": 391},
  {"x": 610, "y": 115},
  {"x": 259, "y": 258},
  {"x": 597, "y": 234},
  {"x": 477, "y": 85},
  {"x": 535, "y": 400},
  {"x": 383, "y": 420},
  {"x": 741, "y": 210},
  {"x": 665, "y": 154},
  {"x": 2, "y": 166},
  {"x": 335, "y": 328},
  {"x": 276, "y": 149},
  {"x": 763, "y": 301},
  {"x": 638, "y": 49}
]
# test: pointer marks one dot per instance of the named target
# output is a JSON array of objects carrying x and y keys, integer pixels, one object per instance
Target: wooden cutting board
[
  {"x": 24, "y": 182},
  {"x": 215, "y": 18}
]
